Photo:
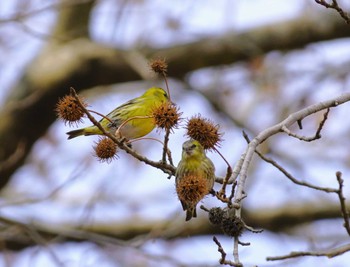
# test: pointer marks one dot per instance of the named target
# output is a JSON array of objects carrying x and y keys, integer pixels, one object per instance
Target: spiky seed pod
[
  {"x": 69, "y": 110},
  {"x": 105, "y": 149},
  {"x": 191, "y": 189},
  {"x": 166, "y": 116},
  {"x": 231, "y": 224},
  {"x": 159, "y": 66},
  {"x": 204, "y": 131},
  {"x": 215, "y": 215}
]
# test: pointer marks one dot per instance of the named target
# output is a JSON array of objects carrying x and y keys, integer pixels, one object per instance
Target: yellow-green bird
[
  {"x": 135, "y": 128},
  {"x": 194, "y": 177}
]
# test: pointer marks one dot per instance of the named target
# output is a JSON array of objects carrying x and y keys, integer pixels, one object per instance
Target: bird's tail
[
  {"x": 91, "y": 130},
  {"x": 75, "y": 133},
  {"x": 191, "y": 212}
]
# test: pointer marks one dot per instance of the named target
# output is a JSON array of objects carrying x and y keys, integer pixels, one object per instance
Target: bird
[
  {"x": 137, "y": 107},
  {"x": 194, "y": 177}
]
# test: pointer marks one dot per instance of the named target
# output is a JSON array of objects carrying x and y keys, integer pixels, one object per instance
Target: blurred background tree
[{"x": 245, "y": 65}]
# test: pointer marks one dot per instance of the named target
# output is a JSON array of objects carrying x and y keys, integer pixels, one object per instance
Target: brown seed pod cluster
[
  {"x": 230, "y": 224},
  {"x": 166, "y": 116},
  {"x": 191, "y": 189},
  {"x": 69, "y": 110},
  {"x": 159, "y": 66},
  {"x": 105, "y": 149},
  {"x": 204, "y": 131},
  {"x": 215, "y": 215}
]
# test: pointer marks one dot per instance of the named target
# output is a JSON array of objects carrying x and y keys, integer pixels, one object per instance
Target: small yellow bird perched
[
  {"x": 195, "y": 177},
  {"x": 135, "y": 128}
]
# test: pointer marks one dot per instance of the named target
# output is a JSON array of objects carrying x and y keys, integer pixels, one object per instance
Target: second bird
[
  {"x": 195, "y": 177},
  {"x": 135, "y": 128}
]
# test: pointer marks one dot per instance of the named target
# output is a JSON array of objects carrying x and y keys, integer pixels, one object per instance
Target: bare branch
[
  {"x": 14, "y": 158},
  {"x": 242, "y": 167},
  {"x": 344, "y": 211},
  {"x": 223, "y": 255},
  {"x": 311, "y": 138},
  {"x": 267, "y": 133},
  {"x": 329, "y": 253},
  {"x": 292, "y": 178},
  {"x": 165, "y": 148},
  {"x": 336, "y": 7},
  {"x": 287, "y": 174}
]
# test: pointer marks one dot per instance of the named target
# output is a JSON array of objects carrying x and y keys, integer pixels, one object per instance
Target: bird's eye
[{"x": 193, "y": 146}]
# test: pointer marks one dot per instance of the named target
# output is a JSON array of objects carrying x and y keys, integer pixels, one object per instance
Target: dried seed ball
[
  {"x": 166, "y": 116},
  {"x": 204, "y": 131},
  {"x": 215, "y": 215},
  {"x": 231, "y": 224},
  {"x": 69, "y": 110},
  {"x": 159, "y": 66},
  {"x": 106, "y": 149}
]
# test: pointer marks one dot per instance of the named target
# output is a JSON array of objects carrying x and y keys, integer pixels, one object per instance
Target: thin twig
[
  {"x": 166, "y": 85},
  {"x": 222, "y": 192},
  {"x": 310, "y": 138},
  {"x": 99, "y": 114},
  {"x": 251, "y": 229},
  {"x": 336, "y": 7},
  {"x": 287, "y": 174},
  {"x": 165, "y": 147},
  {"x": 204, "y": 208},
  {"x": 329, "y": 253},
  {"x": 223, "y": 255},
  {"x": 344, "y": 211},
  {"x": 244, "y": 244},
  {"x": 168, "y": 152},
  {"x": 292, "y": 178}
]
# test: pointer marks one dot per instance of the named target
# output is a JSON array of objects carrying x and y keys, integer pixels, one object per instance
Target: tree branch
[
  {"x": 328, "y": 253},
  {"x": 336, "y": 7},
  {"x": 344, "y": 210},
  {"x": 271, "y": 131}
]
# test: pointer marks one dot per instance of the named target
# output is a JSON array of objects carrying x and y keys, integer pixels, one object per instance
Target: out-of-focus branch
[
  {"x": 326, "y": 253},
  {"x": 290, "y": 215},
  {"x": 23, "y": 15},
  {"x": 14, "y": 234},
  {"x": 234, "y": 47},
  {"x": 73, "y": 21}
]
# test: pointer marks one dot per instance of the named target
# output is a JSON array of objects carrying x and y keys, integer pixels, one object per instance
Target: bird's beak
[{"x": 187, "y": 151}]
